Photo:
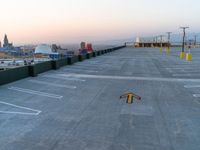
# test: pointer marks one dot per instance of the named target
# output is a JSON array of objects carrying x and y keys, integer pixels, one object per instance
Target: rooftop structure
[
  {"x": 43, "y": 49},
  {"x": 151, "y": 42}
]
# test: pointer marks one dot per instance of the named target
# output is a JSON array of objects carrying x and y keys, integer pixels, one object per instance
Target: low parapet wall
[
  {"x": 11, "y": 75},
  {"x": 15, "y": 74}
]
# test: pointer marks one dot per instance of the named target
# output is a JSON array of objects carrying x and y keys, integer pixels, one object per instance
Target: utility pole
[
  {"x": 161, "y": 42},
  {"x": 195, "y": 41},
  {"x": 183, "y": 44},
  {"x": 156, "y": 41},
  {"x": 169, "y": 35}
]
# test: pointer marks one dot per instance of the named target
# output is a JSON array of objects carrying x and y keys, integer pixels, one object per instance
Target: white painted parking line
[
  {"x": 186, "y": 65},
  {"x": 35, "y": 92},
  {"x": 132, "y": 78},
  {"x": 187, "y": 71},
  {"x": 36, "y": 112},
  {"x": 197, "y": 102},
  {"x": 79, "y": 69},
  {"x": 196, "y": 95},
  {"x": 114, "y": 57},
  {"x": 52, "y": 84},
  {"x": 184, "y": 68},
  {"x": 192, "y": 86},
  {"x": 91, "y": 66},
  {"x": 187, "y": 75},
  {"x": 183, "y": 71},
  {"x": 174, "y": 68},
  {"x": 59, "y": 76}
]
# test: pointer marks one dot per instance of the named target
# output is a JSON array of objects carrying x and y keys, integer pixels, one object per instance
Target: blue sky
[{"x": 66, "y": 21}]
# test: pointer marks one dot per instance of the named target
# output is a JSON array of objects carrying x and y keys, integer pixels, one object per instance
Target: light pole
[
  {"x": 156, "y": 41},
  {"x": 169, "y": 35},
  {"x": 161, "y": 42},
  {"x": 195, "y": 41},
  {"x": 183, "y": 44},
  {"x": 188, "y": 55}
]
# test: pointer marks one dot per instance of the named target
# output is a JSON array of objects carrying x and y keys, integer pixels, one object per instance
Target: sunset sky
[{"x": 70, "y": 21}]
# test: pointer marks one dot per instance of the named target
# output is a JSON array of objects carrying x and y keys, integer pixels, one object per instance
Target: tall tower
[{"x": 6, "y": 42}]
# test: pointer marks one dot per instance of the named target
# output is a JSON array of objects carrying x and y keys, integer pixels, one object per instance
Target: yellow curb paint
[
  {"x": 182, "y": 55},
  {"x": 168, "y": 50},
  {"x": 189, "y": 57}
]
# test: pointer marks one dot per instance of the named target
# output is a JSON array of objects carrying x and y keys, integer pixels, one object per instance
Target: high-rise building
[{"x": 6, "y": 42}]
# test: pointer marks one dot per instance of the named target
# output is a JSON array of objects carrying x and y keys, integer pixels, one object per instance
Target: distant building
[
  {"x": 45, "y": 51},
  {"x": 85, "y": 48},
  {"x": 89, "y": 47},
  {"x": 64, "y": 52},
  {"x": 6, "y": 43},
  {"x": 83, "y": 44},
  {"x": 137, "y": 42},
  {"x": 9, "y": 46}
]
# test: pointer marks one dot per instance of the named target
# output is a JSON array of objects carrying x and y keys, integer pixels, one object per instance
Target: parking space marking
[
  {"x": 196, "y": 95},
  {"x": 177, "y": 68},
  {"x": 186, "y": 65},
  {"x": 52, "y": 84},
  {"x": 37, "y": 112},
  {"x": 192, "y": 86},
  {"x": 91, "y": 66},
  {"x": 58, "y": 76},
  {"x": 159, "y": 79},
  {"x": 187, "y": 71},
  {"x": 35, "y": 92},
  {"x": 197, "y": 102},
  {"x": 79, "y": 69},
  {"x": 183, "y": 71},
  {"x": 183, "y": 74}
]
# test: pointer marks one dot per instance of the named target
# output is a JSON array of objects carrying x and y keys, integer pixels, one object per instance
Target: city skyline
[{"x": 65, "y": 21}]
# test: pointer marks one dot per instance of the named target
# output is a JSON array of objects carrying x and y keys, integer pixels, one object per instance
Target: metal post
[
  {"x": 161, "y": 43},
  {"x": 169, "y": 35},
  {"x": 161, "y": 40},
  {"x": 183, "y": 44},
  {"x": 195, "y": 41},
  {"x": 156, "y": 41}
]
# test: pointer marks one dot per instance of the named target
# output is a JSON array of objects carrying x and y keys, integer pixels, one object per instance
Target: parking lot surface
[{"x": 78, "y": 108}]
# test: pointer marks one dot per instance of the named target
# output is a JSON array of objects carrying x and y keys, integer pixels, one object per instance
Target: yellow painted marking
[
  {"x": 182, "y": 55},
  {"x": 130, "y": 97},
  {"x": 189, "y": 57},
  {"x": 168, "y": 50}
]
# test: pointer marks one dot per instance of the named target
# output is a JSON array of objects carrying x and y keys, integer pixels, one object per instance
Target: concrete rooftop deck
[{"x": 78, "y": 108}]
